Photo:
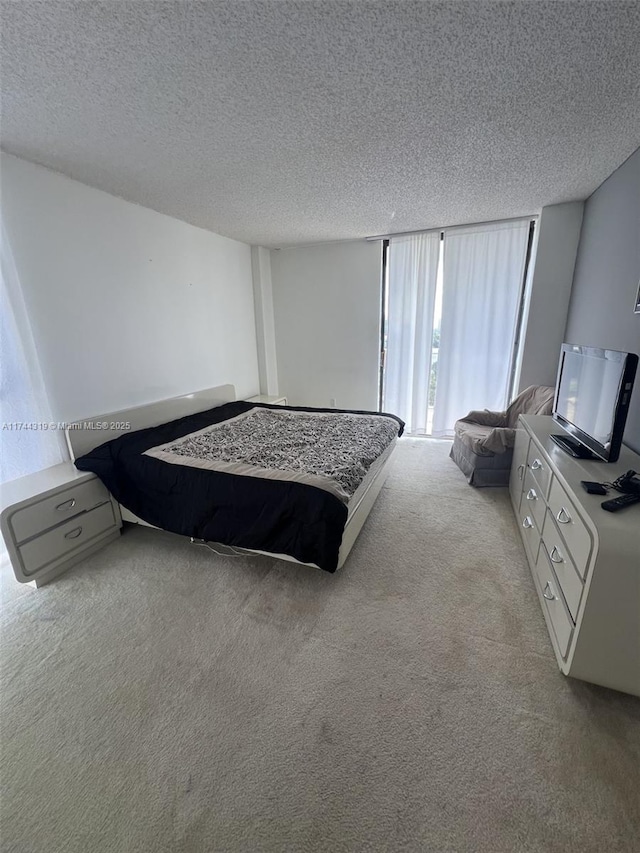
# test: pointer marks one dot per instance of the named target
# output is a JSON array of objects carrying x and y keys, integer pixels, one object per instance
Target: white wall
[
  {"x": 557, "y": 245},
  {"x": 326, "y": 303},
  {"x": 127, "y": 305},
  {"x": 607, "y": 275}
]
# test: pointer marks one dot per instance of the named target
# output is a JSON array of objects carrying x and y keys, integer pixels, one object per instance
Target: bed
[{"x": 292, "y": 482}]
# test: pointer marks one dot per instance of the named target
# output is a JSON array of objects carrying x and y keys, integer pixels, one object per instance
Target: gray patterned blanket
[{"x": 329, "y": 450}]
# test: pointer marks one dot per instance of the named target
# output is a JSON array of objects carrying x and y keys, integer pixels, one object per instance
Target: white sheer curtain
[
  {"x": 413, "y": 268},
  {"x": 483, "y": 271},
  {"x": 23, "y": 398}
]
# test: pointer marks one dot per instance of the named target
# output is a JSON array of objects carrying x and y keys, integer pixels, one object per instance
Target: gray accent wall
[
  {"x": 558, "y": 236},
  {"x": 607, "y": 273}
]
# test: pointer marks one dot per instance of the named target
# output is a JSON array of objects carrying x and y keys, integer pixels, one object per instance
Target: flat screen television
[{"x": 592, "y": 397}]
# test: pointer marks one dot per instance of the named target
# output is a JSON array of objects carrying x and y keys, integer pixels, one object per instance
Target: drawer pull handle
[
  {"x": 531, "y": 495},
  {"x": 67, "y": 505},
  {"x": 73, "y": 534},
  {"x": 550, "y": 596},
  {"x": 536, "y": 464},
  {"x": 556, "y": 556},
  {"x": 563, "y": 516},
  {"x": 520, "y": 471},
  {"x": 527, "y": 523}
]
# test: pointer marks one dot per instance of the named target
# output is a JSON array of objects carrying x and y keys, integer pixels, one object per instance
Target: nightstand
[
  {"x": 265, "y": 398},
  {"x": 53, "y": 519}
]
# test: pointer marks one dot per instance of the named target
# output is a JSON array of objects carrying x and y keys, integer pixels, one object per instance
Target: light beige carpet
[{"x": 160, "y": 698}]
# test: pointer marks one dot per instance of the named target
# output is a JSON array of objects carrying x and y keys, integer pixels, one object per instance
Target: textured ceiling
[{"x": 293, "y": 122}]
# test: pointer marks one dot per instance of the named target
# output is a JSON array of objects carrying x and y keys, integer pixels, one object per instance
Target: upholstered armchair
[{"x": 483, "y": 440}]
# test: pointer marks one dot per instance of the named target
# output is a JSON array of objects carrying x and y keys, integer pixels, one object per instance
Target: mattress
[{"x": 277, "y": 479}]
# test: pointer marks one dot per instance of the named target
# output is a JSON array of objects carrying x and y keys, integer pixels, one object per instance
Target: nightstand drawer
[
  {"x": 66, "y": 538},
  {"x": 53, "y": 510}
]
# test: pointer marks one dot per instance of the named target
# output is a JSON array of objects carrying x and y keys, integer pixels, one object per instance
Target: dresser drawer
[
  {"x": 518, "y": 468},
  {"x": 539, "y": 467},
  {"x": 66, "y": 538},
  {"x": 36, "y": 517},
  {"x": 530, "y": 536},
  {"x": 533, "y": 500},
  {"x": 553, "y": 603},
  {"x": 568, "y": 578},
  {"x": 574, "y": 531}
]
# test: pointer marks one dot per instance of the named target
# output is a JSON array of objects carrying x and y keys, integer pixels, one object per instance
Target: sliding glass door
[
  {"x": 452, "y": 313},
  {"x": 413, "y": 266}
]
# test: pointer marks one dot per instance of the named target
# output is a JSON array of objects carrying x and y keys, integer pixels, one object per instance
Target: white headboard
[{"x": 83, "y": 436}]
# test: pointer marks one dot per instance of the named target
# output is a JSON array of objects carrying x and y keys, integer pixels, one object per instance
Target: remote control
[{"x": 620, "y": 503}]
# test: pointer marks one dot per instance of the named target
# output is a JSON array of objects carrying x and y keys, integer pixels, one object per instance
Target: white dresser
[
  {"x": 53, "y": 519},
  {"x": 585, "y": 561}
]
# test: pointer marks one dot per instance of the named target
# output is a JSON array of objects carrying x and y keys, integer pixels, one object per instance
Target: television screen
[
  {"x": 592, "y": 396},
  {"x": 589, "y": 390}
]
